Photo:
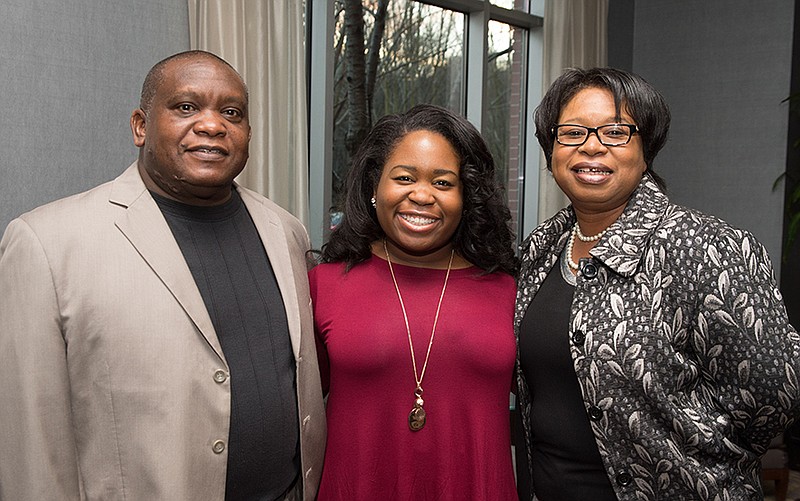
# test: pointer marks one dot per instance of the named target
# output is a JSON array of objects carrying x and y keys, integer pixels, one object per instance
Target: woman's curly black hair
[
  {"x": 641, "y": 101},
  {"x": 483, "y": 236}
]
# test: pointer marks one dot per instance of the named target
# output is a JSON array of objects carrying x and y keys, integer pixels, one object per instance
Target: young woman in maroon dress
[{"x": 414, "y": 307}]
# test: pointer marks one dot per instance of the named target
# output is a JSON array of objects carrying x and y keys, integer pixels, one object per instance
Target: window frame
[{"x": 320, "y": 57}]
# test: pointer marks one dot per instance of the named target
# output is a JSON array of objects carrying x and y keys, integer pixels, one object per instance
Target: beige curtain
[
  {"x": 264, "y": 41},
  {"x": 575, "y": 36}
]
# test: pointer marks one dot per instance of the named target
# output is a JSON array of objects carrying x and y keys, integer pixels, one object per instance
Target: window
[
  {"x": 512, "y": 4},
  {"x": 420, "y": 60},
  {"x": 479, "y": 58},
  {"x": 504, "y": 126}
]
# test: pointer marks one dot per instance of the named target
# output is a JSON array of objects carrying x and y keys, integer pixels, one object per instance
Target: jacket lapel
[
  {"x": 539, "y": 253},
  {"x": 273, "y": 236},
  {"x": 146, "y": 229},
  {"x": 622, "y": 247}
]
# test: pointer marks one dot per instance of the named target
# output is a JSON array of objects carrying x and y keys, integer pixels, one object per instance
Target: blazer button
[
  {"x": 595, "y": 414},
  {"x": 589, "y": 270},
  {"x": 218, "y": 447},
  {"x": 578, "y": 337},
  {"x": 220, "y": 376},
  {"x": 624, "y": 479}
]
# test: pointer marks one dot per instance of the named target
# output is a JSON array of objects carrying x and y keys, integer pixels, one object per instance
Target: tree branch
[
  {"x": 374, "y": 50},
  {"x": 358, "y": 116}
]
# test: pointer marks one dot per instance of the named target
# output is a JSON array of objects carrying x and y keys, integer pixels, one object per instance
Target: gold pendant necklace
[{"x": 417, "y": 416}]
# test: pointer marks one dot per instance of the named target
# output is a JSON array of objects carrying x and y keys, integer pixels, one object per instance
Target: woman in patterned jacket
[{"x": 655, "y": 357}]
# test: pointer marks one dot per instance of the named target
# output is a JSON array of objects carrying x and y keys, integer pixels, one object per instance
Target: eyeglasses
[{"x": 608, "y": 135}]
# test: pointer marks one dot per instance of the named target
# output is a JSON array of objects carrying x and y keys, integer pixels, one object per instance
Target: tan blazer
[{"x": 112, "y": 381}]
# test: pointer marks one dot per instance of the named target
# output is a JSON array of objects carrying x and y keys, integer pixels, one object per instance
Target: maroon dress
[{"x": 464, "y": 449}]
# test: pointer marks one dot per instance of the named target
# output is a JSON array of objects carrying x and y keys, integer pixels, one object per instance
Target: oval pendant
[{"x": 416, "y": 418}]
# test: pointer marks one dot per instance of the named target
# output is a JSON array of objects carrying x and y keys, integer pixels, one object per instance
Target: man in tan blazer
[{"x": 156, "y": 340}]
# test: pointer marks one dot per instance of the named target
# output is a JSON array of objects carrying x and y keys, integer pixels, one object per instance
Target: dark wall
[
  {"x": 790, "y": 270},
  {"x": 724, "y": 68},
  {"x": 620, "y": 34},
  {"x": 70, "y": 74}
]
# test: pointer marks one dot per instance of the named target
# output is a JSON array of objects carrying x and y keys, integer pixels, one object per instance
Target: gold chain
[{"x": 417, "y": 378}]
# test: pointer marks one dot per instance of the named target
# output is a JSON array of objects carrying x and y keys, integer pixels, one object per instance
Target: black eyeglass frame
[{"x": 633, "y": 128}]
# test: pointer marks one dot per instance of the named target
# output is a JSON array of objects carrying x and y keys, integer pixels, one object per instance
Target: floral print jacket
[{"x": 681, "y": 346}]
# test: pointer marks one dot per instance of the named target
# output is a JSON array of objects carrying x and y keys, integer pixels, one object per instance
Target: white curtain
[
  {"x": 575, "y": 36},
  {"x": 264, "y": 41}
]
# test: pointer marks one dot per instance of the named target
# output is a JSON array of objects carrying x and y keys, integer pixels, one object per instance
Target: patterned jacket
[{"x": 681, "y": 346}]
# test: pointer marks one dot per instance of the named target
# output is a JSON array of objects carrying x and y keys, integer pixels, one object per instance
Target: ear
[{"x": 138, "y": 126}]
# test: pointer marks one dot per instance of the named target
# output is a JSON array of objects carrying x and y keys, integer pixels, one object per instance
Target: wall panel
[
  {"x": 724, "y": 67},
  {"x": 70, "y": 74}
]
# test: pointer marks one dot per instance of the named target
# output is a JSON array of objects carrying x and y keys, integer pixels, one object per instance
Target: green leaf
[
  {"x": 791, "y": 233},
  {"x": 794, "y": 222},
  {"x": 778, "y": 181},
  {"x": 795, "y": 196}
]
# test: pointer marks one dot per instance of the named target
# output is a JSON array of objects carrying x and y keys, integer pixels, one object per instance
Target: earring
[{"x": 374, "y": 202}]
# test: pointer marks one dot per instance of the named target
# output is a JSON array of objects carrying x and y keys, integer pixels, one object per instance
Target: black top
[
  {"x": 565, "y": 460},
  {"x": 232, "y": 271}
]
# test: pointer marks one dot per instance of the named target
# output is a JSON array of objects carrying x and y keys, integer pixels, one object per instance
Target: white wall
[{"x": 70, "y": 74}]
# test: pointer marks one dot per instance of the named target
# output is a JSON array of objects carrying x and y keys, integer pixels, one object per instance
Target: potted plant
[
  {"x": 792, "y": 211},
  {"x": 792, "y": 204}
]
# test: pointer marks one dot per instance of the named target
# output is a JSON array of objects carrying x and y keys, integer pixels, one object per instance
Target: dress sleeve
[
  {"x": 742, "y": 332},
  {"x": 39, "y": 459}
]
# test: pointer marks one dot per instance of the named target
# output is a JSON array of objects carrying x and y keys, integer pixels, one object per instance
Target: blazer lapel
[
  {"x": 146, "y": 229},
  {"x": 273, "y": 236}
]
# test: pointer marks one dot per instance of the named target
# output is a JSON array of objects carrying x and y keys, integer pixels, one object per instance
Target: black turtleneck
[{"x": 232, "y": 271}]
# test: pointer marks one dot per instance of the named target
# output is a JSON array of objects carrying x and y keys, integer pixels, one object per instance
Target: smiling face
[
  {"x": 597, "y": 179},
  {"x": 194, "y": 138},
  {"x": 419, "y": 200}
]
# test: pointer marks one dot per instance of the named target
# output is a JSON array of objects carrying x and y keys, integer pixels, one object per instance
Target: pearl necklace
[
  {"x": 584, "y": 238},
  {"x": 576, "y": 232}
]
